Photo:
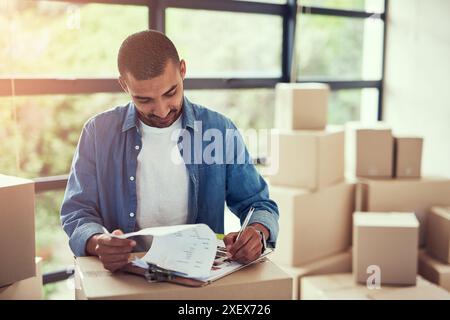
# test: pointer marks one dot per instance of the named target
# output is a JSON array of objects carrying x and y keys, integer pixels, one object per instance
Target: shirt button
[
  {"x": 132, "y": 178},
  {"x": 136, "y": 147},
  {"x": 131, "y": 214}
]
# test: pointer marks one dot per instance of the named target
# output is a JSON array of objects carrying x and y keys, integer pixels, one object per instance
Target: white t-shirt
[{"x": 162, "y": 183}]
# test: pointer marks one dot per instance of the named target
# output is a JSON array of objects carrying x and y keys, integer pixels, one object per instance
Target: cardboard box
[
  {"x": 310, "y": 159},
  {"x": 351, "y": 129},
  {"x": 408, "y": 157},
  {"x": 343, "y": 287},
  {"x": 28, "y": 289},
  {"x": 312, "y": 225},
  {"x": 261, "y": 281},
  {"x": 336, "y": 286},
  {"x": 17, "y": 242},
  {"x": 426, "y": 291},
  {"x": 79, "y": 293},
  {"x": 337, "y": 263},
  {"x": 404, "y": 195},
  {"x": 374, "y": 153},
  {"x": 438, "y": 233},
  {"x": 301, "y": 106},
  {"x": 387, "y": 241},
  {"x": 434, "y": 270}
]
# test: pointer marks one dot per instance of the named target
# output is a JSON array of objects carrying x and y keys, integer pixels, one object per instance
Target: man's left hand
[{"x": 248, "y": 247}]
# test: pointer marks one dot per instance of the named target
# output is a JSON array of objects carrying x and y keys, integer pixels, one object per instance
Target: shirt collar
[
  {"x": 130, "y": 118},
  {"x": 188, "y": 117},
  {"x": 187, "y": 120}
]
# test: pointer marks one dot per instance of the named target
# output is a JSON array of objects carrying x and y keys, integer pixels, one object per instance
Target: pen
[{"x": 246, "y": 221}]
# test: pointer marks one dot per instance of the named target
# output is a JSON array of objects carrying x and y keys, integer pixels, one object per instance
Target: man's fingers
[
  {"x": 245, "y": 236},
  {"x": 113, "y": 258},
  {"x": 248, "y": 253},
  {"x": 114, "y": 242},
  {"x": 248, "y": 249},
  {"x": 115, "y": 266},
  {"x": 229, "y": 239},
  {"x": 103, "y": 250},
  {"x": 117, "y": 232}
]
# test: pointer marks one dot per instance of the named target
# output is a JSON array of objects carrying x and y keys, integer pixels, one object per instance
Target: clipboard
[
  {"x": 156, "y": 274},
  {"x": 153, "y": 273}
]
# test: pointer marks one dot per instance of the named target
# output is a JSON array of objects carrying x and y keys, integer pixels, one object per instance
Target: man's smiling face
[{"x": 159, "y": 101}]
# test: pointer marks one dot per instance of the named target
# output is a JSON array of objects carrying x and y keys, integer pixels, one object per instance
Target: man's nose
[{"x": 161, "y": 110}]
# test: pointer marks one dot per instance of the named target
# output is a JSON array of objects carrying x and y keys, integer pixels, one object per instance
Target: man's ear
[
  {"x": 123, "y": 84},
  {"x": 183, "y": 68}
]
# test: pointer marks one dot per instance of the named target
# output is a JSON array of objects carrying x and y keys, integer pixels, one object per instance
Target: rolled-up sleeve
[
  {"x": 246, "y": 188},
  {"x": 80, "y": 216}
]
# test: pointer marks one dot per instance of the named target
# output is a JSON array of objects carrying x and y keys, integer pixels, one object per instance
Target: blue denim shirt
[{"x": 101, "y": 189}]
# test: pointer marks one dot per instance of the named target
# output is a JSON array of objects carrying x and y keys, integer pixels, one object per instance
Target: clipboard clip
[
  {"x": 158, "y": 274},
  {"x": 153, "y": 273}
]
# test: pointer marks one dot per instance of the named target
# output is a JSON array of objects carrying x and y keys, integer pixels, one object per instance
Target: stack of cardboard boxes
[
  {"x": 381, "y": 155},
  {"x": 315, "y": 201},
  {"x": 384, "y": 258},
  {"x": 403, "y": 189},
  {"x": 386, "y": 235},
  {"x": 389, "y": 172},
  {"x": 317, "y": 205},
  {"x": 20, "y": 275},
  {"x": 342, "y": 287}
]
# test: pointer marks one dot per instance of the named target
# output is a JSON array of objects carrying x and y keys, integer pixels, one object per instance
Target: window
[
  {"x": 257, "y": 103},
  {"x": 352, "y": 105},
  {"x": 39, "y": 133},
  {"x": 342, "y": 43},
  {"x": 339, "y": 47},
  {"x": 52, "y": 243},
  {"x": 53, "y": 39},
  {"x": 226, "y": 44}
]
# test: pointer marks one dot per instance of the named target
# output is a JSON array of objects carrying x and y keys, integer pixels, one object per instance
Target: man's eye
[
  {"x": 171, "y": 93},
  {"x": 144, "y": 101}
]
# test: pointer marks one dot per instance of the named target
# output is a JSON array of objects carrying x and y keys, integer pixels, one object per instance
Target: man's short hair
[{"x": 145, "y": 54}]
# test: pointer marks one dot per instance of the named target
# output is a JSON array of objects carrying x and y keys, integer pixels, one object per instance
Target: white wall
[{"x": 417, "y": 79}]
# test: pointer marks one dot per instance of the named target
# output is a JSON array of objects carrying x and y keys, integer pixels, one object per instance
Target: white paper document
[
  {"x": 187, "y": 249},
  {"x": 191, "y": 251},
  {"x": 223, "y": 266},
  {"x": 157, "y": 231}
]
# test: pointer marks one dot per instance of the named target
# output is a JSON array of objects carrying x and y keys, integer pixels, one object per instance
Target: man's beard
[{"x": 170, "y": 118}]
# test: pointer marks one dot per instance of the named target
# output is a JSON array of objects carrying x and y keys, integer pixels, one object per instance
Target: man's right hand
[{"x": 113, "y": 252}]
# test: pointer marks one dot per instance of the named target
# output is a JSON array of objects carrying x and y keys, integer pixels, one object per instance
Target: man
[{"x": 125, "y": 175}]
